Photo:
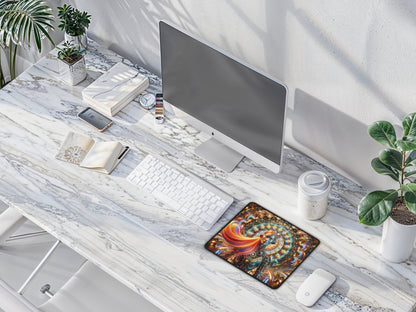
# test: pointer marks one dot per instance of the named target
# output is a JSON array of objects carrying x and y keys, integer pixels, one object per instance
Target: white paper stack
[{"x": 112, "y": 91}]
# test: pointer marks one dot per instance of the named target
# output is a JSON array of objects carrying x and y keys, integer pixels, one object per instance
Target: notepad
[
  {"x": 87, "y": 153},
  {"x": 112, "y": 91}
]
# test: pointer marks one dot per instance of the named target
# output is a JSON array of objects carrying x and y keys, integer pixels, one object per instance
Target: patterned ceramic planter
[
  {"x": 78, "y": 41},
  {"x": 398, "y": 241},
  {"x": 72, "y": 73}
]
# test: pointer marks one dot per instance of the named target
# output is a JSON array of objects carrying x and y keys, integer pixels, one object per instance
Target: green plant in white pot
[
  {"x": 72, "y": 69},
  {"x": 75, "y": 24},
  {"x": 396, "y": 208}
]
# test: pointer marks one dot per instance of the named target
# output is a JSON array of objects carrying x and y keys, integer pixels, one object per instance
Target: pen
[{"x": 124, "y": 152}]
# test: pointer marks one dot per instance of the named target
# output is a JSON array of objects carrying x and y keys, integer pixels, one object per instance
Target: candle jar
[{"x": 313, "y": 191}]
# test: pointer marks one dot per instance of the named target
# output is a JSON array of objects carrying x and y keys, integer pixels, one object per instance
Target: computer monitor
[{"x": 240, "y": 107}]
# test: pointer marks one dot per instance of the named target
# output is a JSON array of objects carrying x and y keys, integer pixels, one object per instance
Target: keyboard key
[{"x": 199, "y": 222}]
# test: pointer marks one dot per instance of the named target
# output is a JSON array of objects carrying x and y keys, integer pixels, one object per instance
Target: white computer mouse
[{"x": 314, "y": 287}]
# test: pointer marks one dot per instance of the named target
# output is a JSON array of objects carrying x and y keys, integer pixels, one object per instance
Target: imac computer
[{"x": 241, "y": 108}]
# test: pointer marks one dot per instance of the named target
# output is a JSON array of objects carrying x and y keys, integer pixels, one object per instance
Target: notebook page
[
  {"x": 102, "y": 156},
  {"x": 74, "y": 148}
]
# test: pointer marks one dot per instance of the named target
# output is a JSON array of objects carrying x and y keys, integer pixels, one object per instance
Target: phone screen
[{"x": 94, "y": 118}]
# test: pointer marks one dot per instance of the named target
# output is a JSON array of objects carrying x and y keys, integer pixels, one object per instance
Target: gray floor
[{"x": 19, "y": 257}]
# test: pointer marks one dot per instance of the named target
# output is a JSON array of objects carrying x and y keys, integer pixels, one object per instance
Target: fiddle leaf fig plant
[{"x": 398, "y": 161}]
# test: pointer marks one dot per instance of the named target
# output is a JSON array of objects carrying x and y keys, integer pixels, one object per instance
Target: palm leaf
[{"x": 25, "y": 21}]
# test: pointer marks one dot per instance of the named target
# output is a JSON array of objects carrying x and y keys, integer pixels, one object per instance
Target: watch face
[{"x": 147, "y": 100}]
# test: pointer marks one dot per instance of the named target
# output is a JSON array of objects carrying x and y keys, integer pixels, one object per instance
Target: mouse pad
[{"x": 263, "y": 245}]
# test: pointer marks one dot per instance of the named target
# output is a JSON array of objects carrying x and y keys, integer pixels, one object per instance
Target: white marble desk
[{"x": 149, "y": 246}]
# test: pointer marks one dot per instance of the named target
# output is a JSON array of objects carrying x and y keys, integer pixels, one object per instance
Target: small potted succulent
[
  {"x": 75, "y": 24},
  {"x": 395, "y": 207},
  {"x": 72, "y": 67}
]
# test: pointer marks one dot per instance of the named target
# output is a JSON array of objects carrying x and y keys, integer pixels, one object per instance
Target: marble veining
[{"x": 146, "y": 244}]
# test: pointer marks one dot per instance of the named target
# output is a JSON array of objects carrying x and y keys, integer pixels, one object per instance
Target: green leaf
[
  {"x": 381, "y": 168},
  {"x": 376, "y": 207},
  {"x": 391, "y": 158},
  {"x": 409, "y": 170},
  {"x": 409, "y": 125},
  {"x": 383, "y": 132},
  {"x": 408, "y": 143},
  {"x": 411, "y": 163},
  {"x": 411, "y": 157},
  {"x": 410, "y": 196}
]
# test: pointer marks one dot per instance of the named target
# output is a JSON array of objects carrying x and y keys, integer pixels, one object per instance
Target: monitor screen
[{"x": 223, "y": 93}]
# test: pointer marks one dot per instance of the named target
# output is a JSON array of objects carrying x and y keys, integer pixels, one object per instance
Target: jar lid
[{"x": 314, "y": 183}]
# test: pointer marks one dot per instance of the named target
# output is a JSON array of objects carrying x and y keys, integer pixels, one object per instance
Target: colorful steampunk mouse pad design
[{"x": 263, "y": 245}]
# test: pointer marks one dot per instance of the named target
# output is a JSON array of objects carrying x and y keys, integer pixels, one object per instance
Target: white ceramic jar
[
  {"x": 398, "y": 240},
  {"x": 313, "y": 191}
]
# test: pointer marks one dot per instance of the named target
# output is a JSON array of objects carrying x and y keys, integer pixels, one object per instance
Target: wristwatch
[{"x": 147, "y": 100}]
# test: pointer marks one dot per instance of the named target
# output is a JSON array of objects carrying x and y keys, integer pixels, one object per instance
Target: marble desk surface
[{"x": 150, "y": 247}]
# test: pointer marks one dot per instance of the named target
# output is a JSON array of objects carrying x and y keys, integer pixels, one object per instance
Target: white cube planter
[
  {"x": 72, "y": 73},
  {"x": 80, "y": 42},
  {"x": 398, "y": 241}
]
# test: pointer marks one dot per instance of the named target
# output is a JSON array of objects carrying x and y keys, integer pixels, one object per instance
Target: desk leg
[
  {"x": 25, "y": 235},
  {"x": 37, "y": 269}
]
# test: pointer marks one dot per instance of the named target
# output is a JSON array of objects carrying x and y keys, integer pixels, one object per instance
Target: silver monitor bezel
[{"x": 221, "y": 137}]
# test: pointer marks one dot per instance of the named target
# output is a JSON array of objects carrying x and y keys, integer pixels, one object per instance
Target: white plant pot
[
  {"x": 78, "y": 41},
  {"x": 397, "y": 241},
  {"x": 72, "y": 73}
]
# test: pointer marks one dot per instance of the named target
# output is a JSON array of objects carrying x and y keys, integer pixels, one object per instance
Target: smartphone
[{"x": 95, "y": 119}]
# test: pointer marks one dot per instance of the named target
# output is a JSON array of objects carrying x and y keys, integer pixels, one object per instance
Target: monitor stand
[{"x": 219, "y": 154}]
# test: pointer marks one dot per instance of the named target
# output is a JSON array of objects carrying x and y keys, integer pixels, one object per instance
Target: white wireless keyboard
[{"x": 199, "y": 201}]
